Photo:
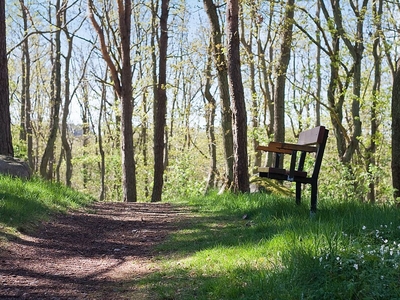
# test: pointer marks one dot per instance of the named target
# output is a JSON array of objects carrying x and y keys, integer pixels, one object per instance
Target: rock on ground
[{"x": 14, "y": 167}]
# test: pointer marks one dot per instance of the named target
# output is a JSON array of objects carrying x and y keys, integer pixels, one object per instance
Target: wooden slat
[
  {"x": 312, "y": 136},
  {"x": 286, "y": 148},
  {"x": 297, "y": 147},
  {"x": 273, "y": 147},
  {"x": 271, "y": 170}
]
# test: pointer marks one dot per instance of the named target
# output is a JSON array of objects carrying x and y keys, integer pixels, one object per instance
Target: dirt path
[{"x": 93, "y": 254}]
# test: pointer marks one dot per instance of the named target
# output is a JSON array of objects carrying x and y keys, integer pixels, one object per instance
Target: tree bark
[
  {"x": 26, "y": 133},
  {"x": 223, "y": 85},
  {"x": 67, "y": 101},
  {"x": 210, "y": 123},
  {"x": 252, "y": 74},
  {"x": 376, "y": 88},
  {"x": 396, "y": 132},
  {"x": 102, "y": 163},
  {"x": 128, "y": 159},
  {"x": 6, "y": 147},
  {"x": 122, "y": 84},
  {"x": 46, "y": 165},
  {"x": 283, "y": 63},
  {"x": 160, "y": 107},
  {"x": 239, "y": 117}
]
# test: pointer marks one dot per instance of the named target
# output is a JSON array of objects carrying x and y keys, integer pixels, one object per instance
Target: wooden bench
[{"x": 310, "y": 141}]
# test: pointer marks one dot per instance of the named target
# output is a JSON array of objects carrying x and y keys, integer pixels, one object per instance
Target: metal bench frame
[{"x": 310, "y": 141}]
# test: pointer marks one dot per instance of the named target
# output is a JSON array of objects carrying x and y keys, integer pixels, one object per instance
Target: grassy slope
[
  {"x": 24, "y": 203},
  {"x": 348, "y": 251}
]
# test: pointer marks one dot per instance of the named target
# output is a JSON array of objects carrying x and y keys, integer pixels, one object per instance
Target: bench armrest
[
  {"x": 286, "y": 148},
  {"x": 274, "y": 147},
  {"x": 297, "y": 147}
]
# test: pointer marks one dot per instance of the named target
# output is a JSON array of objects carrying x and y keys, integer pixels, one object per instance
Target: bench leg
[
  {"x": 314, "y": 193},
  {"x": 298, "y": 193}
]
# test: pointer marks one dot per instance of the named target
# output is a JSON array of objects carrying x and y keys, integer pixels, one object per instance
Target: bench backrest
[
  {"x": 315, "y": 136},
  {"x": 312, "y": 136}
]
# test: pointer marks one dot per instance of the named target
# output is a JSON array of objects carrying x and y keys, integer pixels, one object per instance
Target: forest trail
[{"x": 95, "y": 253}]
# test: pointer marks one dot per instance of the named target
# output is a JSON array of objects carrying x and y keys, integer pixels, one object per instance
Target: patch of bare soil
[{"x": 96, "y": 253}]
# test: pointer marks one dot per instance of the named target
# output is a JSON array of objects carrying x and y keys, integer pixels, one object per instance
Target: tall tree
[
  {"x": 46, "y": 165},
  {"x": 26, "y": 105},
  {"x": 396, "y": 131},
  {"x": 223, "y": 85},
  {"x": 251, "y": 62},
  {"x": 160, "y": 106},
  {"x": 121, "y": 74},
  {"x": 6, "y": 147},
  {"x": 377, "y": 7},
  {"x": 210, "y": 122},
  {"x": 239, "y": 116},
  {"x": 281, "y": 68}
]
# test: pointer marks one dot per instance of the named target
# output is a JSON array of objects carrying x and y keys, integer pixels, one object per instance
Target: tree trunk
[
  {"x": 396, "y": 132},
  {"x": 144, "y": 142},
  {"x": 210, "y": 123},
  {"x": 102, "y": 164},
  {"x": 6, "y": 147},
  {"x": 128, "y": 160},
  {"x": 254, "y": 103},
  {"x": 67, "y": 102},
  {"x": 239, "y": 117},
  {"x": 160, "y": 107},
  {"x": 122, "y": 83},
  {"x": 46, "y": 166},
  {"x": 283, "y": 63},
  {"x": 318, "y": 71},
  {"x": 26, "y": 105},
  {"x": 223, "y": 85},
  {"x": 371, "y": 150}
]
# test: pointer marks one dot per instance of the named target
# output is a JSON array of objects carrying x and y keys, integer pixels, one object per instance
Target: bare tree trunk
[
  {"x": 210, "y": 123},
  {"x": 318, "y": 71},
  {"x": 160, "y": 107},
  {"x": 371, "y": 150},
  {"x": 283, "y": 63},
  {"x": 6, "y": 147},
  {"x": 46, "y": 166},
  {"x": 86, "y": 130},
  {"x": 26, "y": 105},
  {"x": 144, "y": 138},
  {"x": 102, "y": 163},
  {"x": 396, "y": 132},
  {"x": 122, "y": 83},
  {"x": 239, "y": 123},
  {"x": 267, "y": 87},
  {"x": 252, "y": 74},
  {"x": 128, "y": 159},
  {"x": 223, "y": 85},
  {"x": 67, "y": 102},
  {"x": 24, "y": 69}
]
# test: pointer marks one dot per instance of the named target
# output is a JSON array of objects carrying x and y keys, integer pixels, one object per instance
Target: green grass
[
  {"x": 25, "y": 202},
  {"x": 347, "y": 251},
  {"x": 248, "y": 246}
]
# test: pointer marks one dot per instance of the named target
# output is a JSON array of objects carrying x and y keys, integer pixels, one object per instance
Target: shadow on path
[{"x": 90, "y": 254}]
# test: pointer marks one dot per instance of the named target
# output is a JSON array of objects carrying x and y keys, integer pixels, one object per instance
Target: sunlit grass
[
  {"x": 265, "y": 247},
  {"x": 24, "y": 202}
]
